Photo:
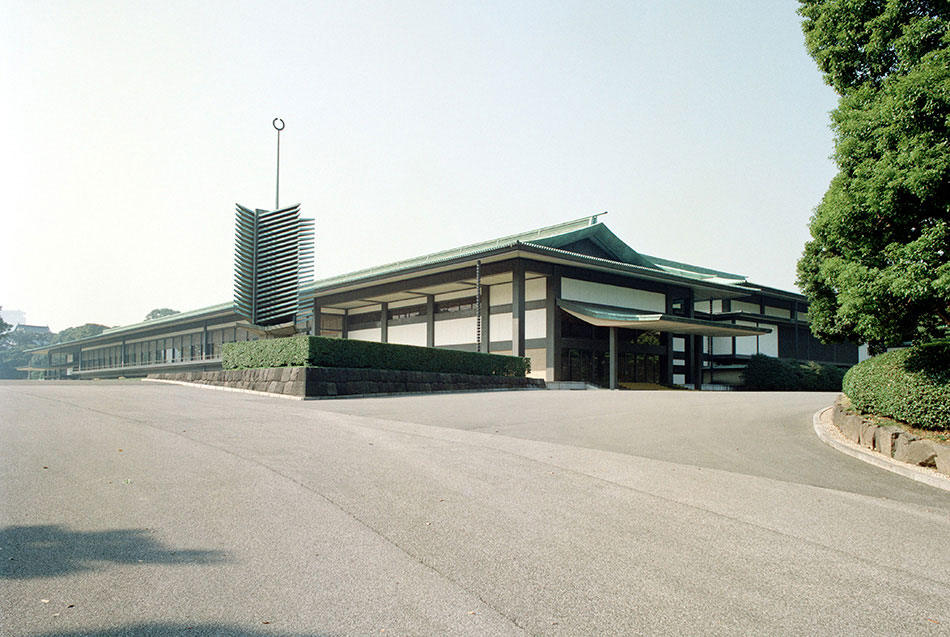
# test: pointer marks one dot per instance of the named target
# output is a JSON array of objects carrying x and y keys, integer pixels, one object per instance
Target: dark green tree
[
  {"x": 13, "y": 354},
  {"x": 4, "y": 326},
  {"x": 160, "y": 312},
  {"x": 877, "y": 268}
]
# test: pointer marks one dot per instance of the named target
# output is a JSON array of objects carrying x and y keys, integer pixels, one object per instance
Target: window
[
  {"x": 407, "y": 312},
  {"x": 455, "y": 305}
]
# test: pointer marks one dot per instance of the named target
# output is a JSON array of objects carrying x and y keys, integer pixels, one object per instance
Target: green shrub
[
  {"x": 911, "y": 385},
  {"x": 765, "y": 373},
  {"x": 318, "y": 351},
  {"x": 268, "y": 352}
]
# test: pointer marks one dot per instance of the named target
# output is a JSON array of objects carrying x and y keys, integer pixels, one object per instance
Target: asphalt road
[{"x": 132, "y": 508}]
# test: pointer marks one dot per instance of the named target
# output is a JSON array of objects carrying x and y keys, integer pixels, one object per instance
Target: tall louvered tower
[{"x": 273, "y": 257}]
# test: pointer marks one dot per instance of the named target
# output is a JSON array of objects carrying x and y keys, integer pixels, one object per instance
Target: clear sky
[{"x": 129, "y": 130}]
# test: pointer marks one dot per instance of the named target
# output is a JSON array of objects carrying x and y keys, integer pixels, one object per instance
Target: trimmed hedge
[
  {"x": 765, "y": 373},
  {"x": 319, "y": 351},
  {"x": 910, "y": 385},
  {"x": 270, "y": 352}
]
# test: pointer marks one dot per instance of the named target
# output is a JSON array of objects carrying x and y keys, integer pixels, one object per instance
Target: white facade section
[
  {"x": 413, "y": 334},
  {"x": 455, "y": 331},
  {"x": 742, "y": 306},
  {"x": 721, "y": 345},
  {"x": 768, "y": 343},
  {"x": 679, "y": 344},
  {"x": 539, "y": 363},
  {"x": 765, "y": 344},
  {"x": 535, "y": 324},
  {"x": 371, "y": 334},
  {"x": 679, "y": 379},
  {"x": 589, "y": 292},
  {"x": 500, "y": 294},
  {"x": 714, "y": 307},
  {"x": 746, "y": 345},
  {"x": 777, "y": 312},
  {"x": 460, "y": 294},
  {"x": 407, "y": 303},
  {"x": 535, "y": 289},
  {"x": 365, "y": 309},
  {"x": 499, "y": 326}
]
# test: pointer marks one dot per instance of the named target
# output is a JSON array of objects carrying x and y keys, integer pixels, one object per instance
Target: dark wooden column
[
  {"x": 552, "y": 334},
  {"x": 517, "y": 308},
  {"x": 317, "y": 327},
  {"x": 612, "y": 351},
  {"x": 344, "y": 332},
  {"x": 384, "y": 323},
  {"x": 486, "y": 319},
  {"x": 430, "y": 320}
]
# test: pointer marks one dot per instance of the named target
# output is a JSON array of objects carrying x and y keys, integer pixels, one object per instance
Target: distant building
[
  {"x": 574, "y": 298},
  {"x": 32, "y": 329}
]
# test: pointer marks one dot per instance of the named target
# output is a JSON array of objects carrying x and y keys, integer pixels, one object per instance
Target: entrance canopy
[{"x": 609, "y": 316}]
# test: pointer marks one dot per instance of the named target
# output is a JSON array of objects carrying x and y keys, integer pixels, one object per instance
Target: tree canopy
[
  {"x": 4, "y": 326},
  {"x": 877, "y": 268},
  {"x": 82, "y": 331},
  {"x": 160, "y": 312}
]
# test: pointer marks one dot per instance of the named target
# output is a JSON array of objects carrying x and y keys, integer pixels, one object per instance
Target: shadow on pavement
[
  {"x": 190, "y": 630},
  {"x": 51, "y": 550}
]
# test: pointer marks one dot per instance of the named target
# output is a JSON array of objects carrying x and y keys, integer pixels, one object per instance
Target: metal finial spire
[{"x": 278, "y": 128}]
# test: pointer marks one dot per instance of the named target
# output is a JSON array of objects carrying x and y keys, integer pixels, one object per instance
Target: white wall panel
[
  {"x": 746, "y": 345},
  {"x": 500, "y": 294},
  {"x": 535, "y": 289},
  {"x": 372, "y": 334},
  {"x": 538, "y": 362},
  {"x": 777, "y": 312},
  {"x": 499, "y": 327},
  {"x": 455, "y": 331},
  {"x": 589, "y": 292},
  {"x": 679, "y": 344},
  {"x": 768, "y": 343},
  {"x": 414, "y": 334},
  {"x": 461, "y": 294},
  {"x": 365, "y": 309},
  {"x": 720, "y": 345},
  {"x": 742, "y": 306},
  {"x": 535, "y": 323}
]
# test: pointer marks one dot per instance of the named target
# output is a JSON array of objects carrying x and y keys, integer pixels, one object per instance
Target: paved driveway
[{"x": 130, "y": 508}]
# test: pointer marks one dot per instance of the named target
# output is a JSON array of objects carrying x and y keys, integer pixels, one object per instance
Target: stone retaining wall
[
  {"x": 891, "y": 441},
  {"x": 321, "y": 382}
]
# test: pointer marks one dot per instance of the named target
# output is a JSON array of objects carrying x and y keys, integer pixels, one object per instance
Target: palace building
[{"x": 573, "y": 297}]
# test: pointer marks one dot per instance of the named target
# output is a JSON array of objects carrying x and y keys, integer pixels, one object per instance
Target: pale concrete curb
[
  {"x": 222, "y": 388},
  {"x": 343, "y": 397},
  {"x": 830, "y": 435}
]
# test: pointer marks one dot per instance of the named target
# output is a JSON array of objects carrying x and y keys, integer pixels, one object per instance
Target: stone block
[
  {"x": 918, "y": 452},
  {"x": 866, "y": 438},
  {"x": 884, "y": 439},
  {"x": 295, "y": 388},
  {"x": 943, "y": 458},
  {"x": 850, "y": 425}
]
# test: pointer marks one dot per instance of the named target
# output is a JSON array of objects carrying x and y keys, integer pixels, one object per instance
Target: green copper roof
[
  {"x": 531, "y": 236},
  {"x": 172, "y": 318},
  {"x": 609, "y": 316},
  {"x": 694, "y": 271},
  {"x": 584, "y": 239}
]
